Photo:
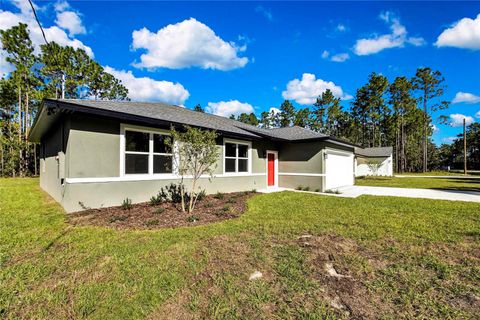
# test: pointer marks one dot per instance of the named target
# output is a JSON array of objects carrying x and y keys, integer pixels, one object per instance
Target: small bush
[
  {"x": 231, "y": 200},
  {"x": 208, "y": 205},
  {"x": 226, "y": 209},
  {"x": 317, "y": 190},
  {"x": 306, "y": 189},
  {"x": 172, "y": 192},
  {"x": 299, "y": 188},
  {"x": 333, "y": 191},
  {"x": 127, "y": 204},
  {"x": 117, "y": 218},
  {"x": 201, "y": 195},
  {"x": 254, "y": 191},
  {"x": 159, "y": 210},
  {"x": 193, "y": 218},
  {"x": 156, "y": 200},
  {"x": 219, "y": 196},
  {"x": 150, "y": 223}
]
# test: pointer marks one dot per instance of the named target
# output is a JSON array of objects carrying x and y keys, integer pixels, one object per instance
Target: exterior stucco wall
[
  {"x": 53, "y": 160},
  {"x": 97, "y": 195}
]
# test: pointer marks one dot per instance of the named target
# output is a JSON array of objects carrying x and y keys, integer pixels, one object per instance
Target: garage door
[{"x": 338, "y": 170}]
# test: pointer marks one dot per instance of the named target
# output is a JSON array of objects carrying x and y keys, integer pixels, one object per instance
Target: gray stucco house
[{"x": 97, "y": 153}]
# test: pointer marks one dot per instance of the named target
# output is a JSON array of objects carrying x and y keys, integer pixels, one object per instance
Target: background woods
[
  {"x": 38, "y": 75},
  {"x": 384, "y": 112}
]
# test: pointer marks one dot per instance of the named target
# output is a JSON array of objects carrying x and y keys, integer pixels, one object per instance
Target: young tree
[
  {"x": 198, "y": 108},
  {"x": 430, "y": 84},
  {"x": 287, "y": 114},
  {"x": 302, "y": 118},
  {"x": 195, "y": 154}
]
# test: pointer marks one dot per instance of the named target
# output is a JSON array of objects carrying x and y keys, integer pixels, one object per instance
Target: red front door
[{"x": 271, "y": 169}]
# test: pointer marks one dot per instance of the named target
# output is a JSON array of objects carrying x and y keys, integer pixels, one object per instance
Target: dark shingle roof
[
  {"x": 374, "y": 152},
  {"x": 179, "y": 115}
]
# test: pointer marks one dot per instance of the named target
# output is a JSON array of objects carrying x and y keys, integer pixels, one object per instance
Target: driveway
[{"x": 453, "y": 195}]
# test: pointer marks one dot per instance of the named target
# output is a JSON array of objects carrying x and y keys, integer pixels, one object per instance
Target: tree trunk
[
  {"x": 27, "y": 147},
  {"x": 425, "y": 116},
  {"x": 20, "y": 157},
  {"x": 35, "y": 159}
]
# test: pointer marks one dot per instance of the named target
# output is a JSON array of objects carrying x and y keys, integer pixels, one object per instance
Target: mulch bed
[{"x": 212, "y": 208}]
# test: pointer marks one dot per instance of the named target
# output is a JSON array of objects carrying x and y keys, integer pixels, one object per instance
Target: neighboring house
[
  {"x": 366, "y": 159},
  {"x": 97, "y": 153}
]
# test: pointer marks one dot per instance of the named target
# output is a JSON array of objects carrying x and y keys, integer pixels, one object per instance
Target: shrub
[
  {"x": 127, "y": 204},
  {"x": 152, "y": 223},
  {"x": 254, "y": 191},
  {"x": 226, "y": 209},
  {"x": 231, "y": 200},
  {"x": 159, "y": 210},
  {"x": 208, "y": 205},
  {"x": 334, "y": 191},
  {"x": 193, "y": 218},
  {"x": 219, "y": 196},
  {"x": 117, "y": 218},
  {"x": 172, "y": 192},
  {"x": 299, "y": 188},
  {"x": 317, "y": 190},
  {"x": 201, "y": 195},
  {"x": 306, "y": 189},
  {"x": 156, "y": 200}
]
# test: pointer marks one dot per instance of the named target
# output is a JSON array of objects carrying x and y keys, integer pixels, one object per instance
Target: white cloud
[
  {"x": 341, "y": 27},
  {"x": 5, "y": 67},
  {"x": 325, "y": 54},
  {"x": 70, "y": 21},
  {"x": 396, "y": 39},
  {"x": 189, "y": 43},
  {"x": 227, "y": 108},
  {"x": 449, "y": 139},
  {"x": 477, "y": 115},
  {"x": 148, "y": 89},
  {"x": 267, "y": 13},
  {"x": 274, "y": 110},
  {"x": 462, "y": 34},
  {"x": 456, "y": 120},
  {"x": 55, "y": 33},
  {"x": 306, "y": 90},
  {"x": 340, "y": 57},
  {"x": 435, "y": 128},
  {"x": 466, "y": 97}
]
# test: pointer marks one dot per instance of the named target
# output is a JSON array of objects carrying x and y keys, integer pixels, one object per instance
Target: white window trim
[
  {"x": 249, "y": 160},
  {"x": 275, "y": 153},
  {"x": 123, "y": 152}
]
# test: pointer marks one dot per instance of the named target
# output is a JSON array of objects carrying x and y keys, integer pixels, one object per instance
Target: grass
[
  {"x": 422, "y": 183},
  {"x": 442, "y": 173},
  {"x": 408, "y": 258}
]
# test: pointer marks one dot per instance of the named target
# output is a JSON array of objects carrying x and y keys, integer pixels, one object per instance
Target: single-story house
[
  {"x": 374, "y": 161},
  {"x": 97, "y": 153}
]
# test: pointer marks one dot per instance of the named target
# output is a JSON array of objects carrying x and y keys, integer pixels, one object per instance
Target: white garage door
[{"x": 339, "y": 170}]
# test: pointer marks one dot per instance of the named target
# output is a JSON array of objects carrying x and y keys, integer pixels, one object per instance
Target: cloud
[
  {"x": 5, "y": 67},
  {"x": 463, "y": 34},
  {"x": 341, "y": 28},
  {"x": 306, "y": 90},
  {"x": 189, "y": 43},
  {"x": 396, "y": 39},
  {"x": 55, "y": 32},
  {"x": 477, "y": 115},
  {"x": 340, "y": 57},
  {"x": 274, "y": 110},
  {"x": 227, "y": 108},
  {"x": 435, "y": 128},
  {"x": 267, "y": 13},
  {"x": 70, "y": 21},
  {"x": 148, "y": 89},
  {"x": 449, "y": 139},
  {"x": 325, "y": 54},
  {"x": 466, "y": 98},
  {"x": 456, "y": 120}
]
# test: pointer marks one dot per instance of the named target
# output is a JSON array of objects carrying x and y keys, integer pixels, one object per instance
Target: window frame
[
  {"x": 123, "y": 152},
  {"x": 248, "y": 158}
]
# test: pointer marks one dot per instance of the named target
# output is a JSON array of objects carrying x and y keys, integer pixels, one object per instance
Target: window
[
  {"x": 147, "y": 153},
  {"x": 236, "y": 157}
]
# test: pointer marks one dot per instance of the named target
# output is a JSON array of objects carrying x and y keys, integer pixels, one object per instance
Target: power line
[{"x": 62, "y": 77}]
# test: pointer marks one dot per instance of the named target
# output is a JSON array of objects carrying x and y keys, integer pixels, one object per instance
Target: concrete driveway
[{"x": 453, "y": 195}]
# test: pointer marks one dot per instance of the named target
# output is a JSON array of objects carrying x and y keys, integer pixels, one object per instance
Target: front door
[{"x": 271, "y": 169}]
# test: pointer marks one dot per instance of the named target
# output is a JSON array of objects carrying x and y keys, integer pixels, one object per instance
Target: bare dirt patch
[{"x": 212, "y": 208}]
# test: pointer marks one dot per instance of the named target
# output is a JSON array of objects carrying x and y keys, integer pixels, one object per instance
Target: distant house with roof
[
  {"x": 380, "y": 157},
  {"x": 97, "y": 153}
]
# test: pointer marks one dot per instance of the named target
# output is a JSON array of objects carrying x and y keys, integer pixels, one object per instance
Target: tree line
[
  {"x": 38, "y": 75},
  {"x": 383, "y": 113}
]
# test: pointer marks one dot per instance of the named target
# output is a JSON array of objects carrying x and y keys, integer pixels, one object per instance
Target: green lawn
[
  {"x": 423, "y": 183},
  {"x": 404, "y": 258}
]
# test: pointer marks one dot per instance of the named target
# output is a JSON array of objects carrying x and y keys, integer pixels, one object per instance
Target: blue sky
[{"x": 243, "y": 56}]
